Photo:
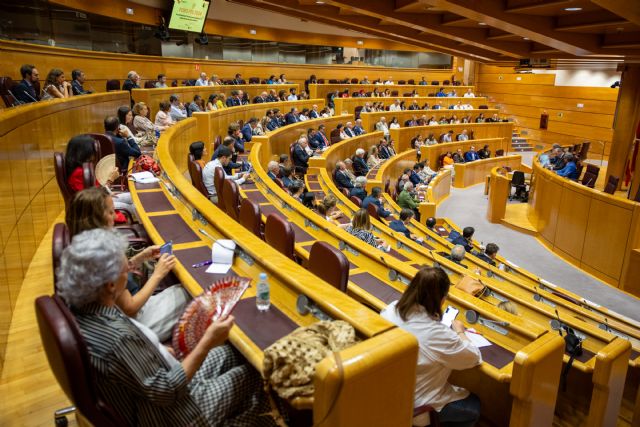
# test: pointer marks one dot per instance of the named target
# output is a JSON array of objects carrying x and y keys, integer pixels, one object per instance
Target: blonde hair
[
  {"x": 137, "y": 108},
  {"x": 361, "y": 220},
  {"x": 509, "y": 307}
]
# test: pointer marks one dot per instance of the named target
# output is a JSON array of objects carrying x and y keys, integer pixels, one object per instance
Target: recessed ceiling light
[
  {"x": 481, "y": 23},
  {"x": 572, "y": 9},
  {"x": 359, "y": 42},
  {"x": 319, "y": 2},
  {"x": 525, "y": 38}
]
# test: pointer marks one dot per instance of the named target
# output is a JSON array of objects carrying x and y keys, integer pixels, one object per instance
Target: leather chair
[
  {"x": 499, "y": 153},
  {"x": 321, "y": 81},
  {"x": 195, "y": 172},
  {"x": 407, "y": 94},
  {"x": 579, "y": 169},
  {"x": 373, "y": 211},
  {"x": 105, "y": 143},
  {"x": 231, "y": 199},
  {"x": 357, "y": 111},
  {"x": 637, "y": 198},
  {"x": 70, "y": 362},
  {"x": 435, "y": 83},
  {"x": 387, "y": 183},
  {"x": 59, "y": 241},
  {"x": 279, "y": 234},
  {"x": 483, "y": 107},
  {"x": 174, "y": 83},
  {"x": 61, "y": 177},
  {"x": 329, "y": 264},
  {"x": 584, "y": 150},
  {"x": 333, "y": 81},
  {"x": 402, "y": 82},
  {"x": 254, "y": 80},
  {"x": 113, "y": 85},
  {"x": 218, "y": 178},
  {"x": 411, "y": 81},
  {"x": 250, "y": 217},
  {"x": 394, "y": 93},
  {"x": 334, "y": 136},
  {"x": 354, "y": 81},
  {"x": 446, "y": 82},
  {"x": 280, "y": 183},
  {"x": 6, "y": 85},
  {"x": 440, "y": 162},
  {"x": 590, "y": 176},
  {"x": 612, "y": 184},
  {"x": 356, "y": 201},
  {"x": 216, "y": 143},
  {"x": 150, "y": 84}
]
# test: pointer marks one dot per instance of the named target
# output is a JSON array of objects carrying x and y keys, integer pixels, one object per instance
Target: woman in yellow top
[
  {"x": 447, "y": 160},
  {"x": 220, "y": 103}
]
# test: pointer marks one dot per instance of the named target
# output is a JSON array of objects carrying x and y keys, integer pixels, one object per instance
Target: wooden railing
[{"x": 402, "y": 136}]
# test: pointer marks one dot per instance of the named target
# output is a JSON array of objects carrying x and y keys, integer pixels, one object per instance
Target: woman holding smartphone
[{"x": 442, "y": 349}]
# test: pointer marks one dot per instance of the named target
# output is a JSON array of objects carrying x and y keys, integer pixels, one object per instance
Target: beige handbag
[{"x": 471, "y": 286}]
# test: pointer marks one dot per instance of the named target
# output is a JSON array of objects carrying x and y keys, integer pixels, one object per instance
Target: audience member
[
  {"x": 292, "y": 116},
  {"x": 342, "y": 177},
  {"x": 360, "y": 167},
  {"x": 273, "y": 169},
  {"x": 77, "y": 83},
  {"x": 469, "y": 94},
  {"x": 359, "y": 188},
  {"x": 448, "y": 137},
  {"x": 464, "y": 239},
  {"x": 375, "y": 198},
  {"x": 349, "y": 130},
  {"x": 247, "y": 129},
  {"x": 384, "y": 150},
  {"x": 484, "y": 153},
  {"x": 463, "y": 136},
  {"x": 570, "y": 170},
  {"x": 400, "y": 225},
  {"x": 457, "y": 255},
  {"x": 144, "y": 127},
  {"x": 203, "y": 80},
  {"x": 300, "y": 155},
  {"x": 327, "y": 208},
  {"x": 381, "y": 126},
  {"x": 125, "y": 117},
  {"x": 24, "y": 91},
  {"x": 178, "y": 111},
  {"x": 407, "y": 200},
  {"x": 471, "y": 155},
  {"x": 395, "y": 106},
  {"x": 442, "y": 348},
  {"x": 162, "y": 82},
  {"x": 361, "y": 228},
  {"x": 458, "y": 156},
  {"x": 55, "y": 86},
  {"x": 394, "y": 123},
  {"x": 373, "y": 160},
  {"x": 208, "y": 173},
  {"x": 490, "y": 253},
  {"x": 163, "y": 118},
  {"x": 431, "y": 223},
  {"x": 198, "y": 151},
  {"x": 292, "y": 95},
  {"x": 143, "y": 382},
  {"x": 124, "y": 143},
  {"x": 132, "y": 81}
]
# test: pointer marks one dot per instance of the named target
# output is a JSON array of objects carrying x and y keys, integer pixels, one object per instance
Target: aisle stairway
[{"x": 520, "y": 143}]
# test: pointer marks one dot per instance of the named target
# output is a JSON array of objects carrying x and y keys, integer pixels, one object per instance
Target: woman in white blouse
[
  {"x": 441, "y": 348},
  {"x": 394, "y": 123},
  {"x": 163, "y": 119}
]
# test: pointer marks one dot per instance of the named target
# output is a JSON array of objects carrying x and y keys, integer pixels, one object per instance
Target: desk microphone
[
  {"x": 17, "y": 101},
  {"x": 29, "y": 95}
]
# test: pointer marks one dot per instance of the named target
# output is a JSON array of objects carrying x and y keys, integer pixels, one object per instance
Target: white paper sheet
[
  {"x": 477, "y": 339},
  {"x": 222, "y": 253},
  {"x": 145, "y": 177}
]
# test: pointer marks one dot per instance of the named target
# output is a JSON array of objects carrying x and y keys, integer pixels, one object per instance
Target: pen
[
  {"x": 472, "y": 332},
  {"x": 202, "y": 264}
]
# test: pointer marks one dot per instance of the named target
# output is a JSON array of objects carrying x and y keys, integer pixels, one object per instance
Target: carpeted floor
[{"x": 468, "y": 207}]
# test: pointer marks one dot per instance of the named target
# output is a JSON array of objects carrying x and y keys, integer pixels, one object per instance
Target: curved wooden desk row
[
  {"x": 369, "y": 120},
  {"x": 30, "y": 198},
  {"x": 472, "y": 173},
  {"x": 403, "y": 135},
  {"x": 322, "y": 90},
  {"x": 153, "y": 97},
  {"x": 311, "y": 226},
  {"x": 432, "y": 153},
  {"x": 383, "y": 363},
  {"x": 517, "y": 287},
  {"x": 591, "y": 229},
  {"x": 523, "y": 338},
  {"x": 216, "y": 123},
  {"x": 348, "y": 105}
]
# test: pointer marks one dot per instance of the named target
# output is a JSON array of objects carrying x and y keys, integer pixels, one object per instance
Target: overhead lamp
[
  {"x": 252, "y": 31},
  {"x": 359, "y": 42},
  {"x": 319, "y": 2},
  {"x": 162, "y": 32},
  {"x": 525, "y": 38},
  {"x": 572, "y": 9},
  {"x": 482, "y": 23}
]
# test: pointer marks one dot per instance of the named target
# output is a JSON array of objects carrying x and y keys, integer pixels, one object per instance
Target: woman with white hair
[{"x": 138, "y": 376}]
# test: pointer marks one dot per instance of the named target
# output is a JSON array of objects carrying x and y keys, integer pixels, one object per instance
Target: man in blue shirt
[
  {"x": 400, "y": 225},
  {"x": 374, "y": 198},
  {"x": 570, "y": 170},
  {"x": 247, "y": 129},
  {"x": 471, "y": 155}
]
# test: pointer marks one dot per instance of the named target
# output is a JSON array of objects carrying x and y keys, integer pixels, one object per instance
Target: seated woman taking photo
[
  {"x": 93, "y": 208},
  {"x": 138, "y": 376},
  {"x": 441, "y": 348}
]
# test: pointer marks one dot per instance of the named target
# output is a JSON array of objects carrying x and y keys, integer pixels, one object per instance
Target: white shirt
[
  {"x": 394, "y": 107},
  {"x": 441, "y": 350},
  {"x": 208, "y": 174},
  {"x": 292, "y": 97},
  {"x": 201, "y": 82},
  {"x": 177, "y": 113},
  {"x": 394, "y": 126},
  {"x": 383, "y": 127},
  {"x": 469, "y": 95}
]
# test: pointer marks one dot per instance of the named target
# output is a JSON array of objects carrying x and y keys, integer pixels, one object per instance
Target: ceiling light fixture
[
  {"x": 573, "y": 9},
  {"x": 525, "y": 38},
  {"x": 482, "y": 23},
  {"x": 319, "y": 2},
  {"x": 359, "y": 42},
  {"x": 252, "y": 31}
]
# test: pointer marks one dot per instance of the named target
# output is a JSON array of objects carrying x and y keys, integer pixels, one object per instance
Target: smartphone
[
  {"x": 449, "y": 315},
  {"x": 167, "y": 248}
]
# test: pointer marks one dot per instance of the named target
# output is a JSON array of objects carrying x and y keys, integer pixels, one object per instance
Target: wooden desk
[
  {"x": 152, "y": 97},
  {"x": 322, "y": 90},
  {"x": 348, "y": 105},
  {"x": 499, "y": 190},
  {"x": 369, "y": 120},
  {"x": 472, "y": 173},
  {"x": 402, "y": 136},
  {"x": 432, "y": 153}
]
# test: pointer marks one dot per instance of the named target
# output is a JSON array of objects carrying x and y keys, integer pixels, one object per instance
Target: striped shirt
[
  {"x": 132, "y": 375},
  {"x": 364, "y": 235}
]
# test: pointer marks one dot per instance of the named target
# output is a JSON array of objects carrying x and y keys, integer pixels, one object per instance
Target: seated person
[
  {"x": 143, "y": 127},
  {"x": 287, "y": 176},
  {"x": 361, "y": 228},
  {"x": 414, "y": 177},
  {"x": 463, "y": 136},
  {"x": 372, "y": 158},
  {"x": 235, "y": 132},
  {"x": 471, "y": 155},
  {"x": 465, "y": 239},
  {"x": 198, "y": 151},
  {"x": 139, "y": 377},
  {"x": 570, "y": 170},
  {"x": 431, "y": 223},
  {"x": 400, "y": 225},
  {"x": 273, "y": 169},
  {"x": 490, "y": 253},
  {"x": 360, "y": 167},
  {"x": 384, "y": 151},
  {"x": 447, "y": 137},
  {"x": 123, "y": 141},
  {"x": 342, "y": 177},
  {"x": 80, "y": 150},
  {"x": 247, "y": 130},
  {"x": 177, "y": 112},
  {"x": 163, "y": 120},
  {"x": 441, "y": 348},
  {"x": 208, "y": 173},
  {"x": 407, "y": 200},
  {"x": 447, "y": 160},
  {"x": 300, "y": 193},
  {"x": 457, "y": 255},
  {"x": 93, "y": 209},
  {"x": 359, "y": 189},
  {"x": 425, "y": 173},
  {"x": 375, "y": 198},
  {"x": 484, "y": 153},
  {"x": 327, "y": 208},
  {"x": 458, "y": 157},
  {"x": 228, "y": 142},
  {"x": 196, "y": 106},
  {"x": 300, "y": 155}
]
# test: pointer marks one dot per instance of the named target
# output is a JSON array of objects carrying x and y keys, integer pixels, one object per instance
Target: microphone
[
  {"x": 29, "y": 95},
  {"x": 17, "y": 101},
  {"x": 556, "y": 324}
]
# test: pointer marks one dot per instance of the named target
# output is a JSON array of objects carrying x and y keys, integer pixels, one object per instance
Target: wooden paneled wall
[
  {"x": 576, "y": 114},
  {"x": 29, "y": 194},
  {"x": 102, "y": 66},
  {"x": 402, "y": 136}
]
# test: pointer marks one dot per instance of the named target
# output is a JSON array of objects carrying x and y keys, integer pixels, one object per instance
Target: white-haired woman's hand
[{"x": 164, "y": 265}]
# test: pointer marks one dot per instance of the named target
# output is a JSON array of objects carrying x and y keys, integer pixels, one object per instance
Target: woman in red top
[{"x": 80, "y": 149}]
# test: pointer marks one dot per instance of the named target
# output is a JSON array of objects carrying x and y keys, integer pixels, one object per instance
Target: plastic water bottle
[{"x": 263, "y": 298}]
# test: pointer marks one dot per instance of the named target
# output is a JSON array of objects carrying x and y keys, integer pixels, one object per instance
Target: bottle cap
[{"x": 263, "y": 276}]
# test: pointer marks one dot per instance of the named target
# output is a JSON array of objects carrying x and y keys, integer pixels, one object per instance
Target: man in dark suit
[
  {"x": 313, "y": 114},
  {"x": 360, "y": 167},
  {"x": 123, "y": 141},
  {"x": 132, "y": 81},
  {"x": 383, "y": 150},
  {"x": 465, "y": 239},
  {"x": 400, "y": 225},
  {"x": 272, "y": 97},
  {"x": 25, "y": 92},
  {"x": 358, "y": 129},
  {"x": 292, "y": 116},
  {"x": 233, "y": 99},
  {"x": 300, "y": 156},
  {"x": 342, "y": 177},
  {"x": 78, "y": 82},
  {"x": 321, "y": 137},
  {"x": 359, "y": 188},
  {"x": 238, "y": 79},
  {"x": 374, "y": 198},
  {"x": 413, "y": 175},
  {"x": 279, "y": 117},
  {"x": 471, "y": 155},
  {"x": 273, "y": 169},
  {"x": 273, "y": 121},
  {"x": 247, "y": 129},
  {"x": 260, "y": 98},
  {"x": 244, "y": 100},
  {"x": 489, "y": 254},
  {"x": 348, "y": 129},
  {"x": 235, "y": 132}
]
